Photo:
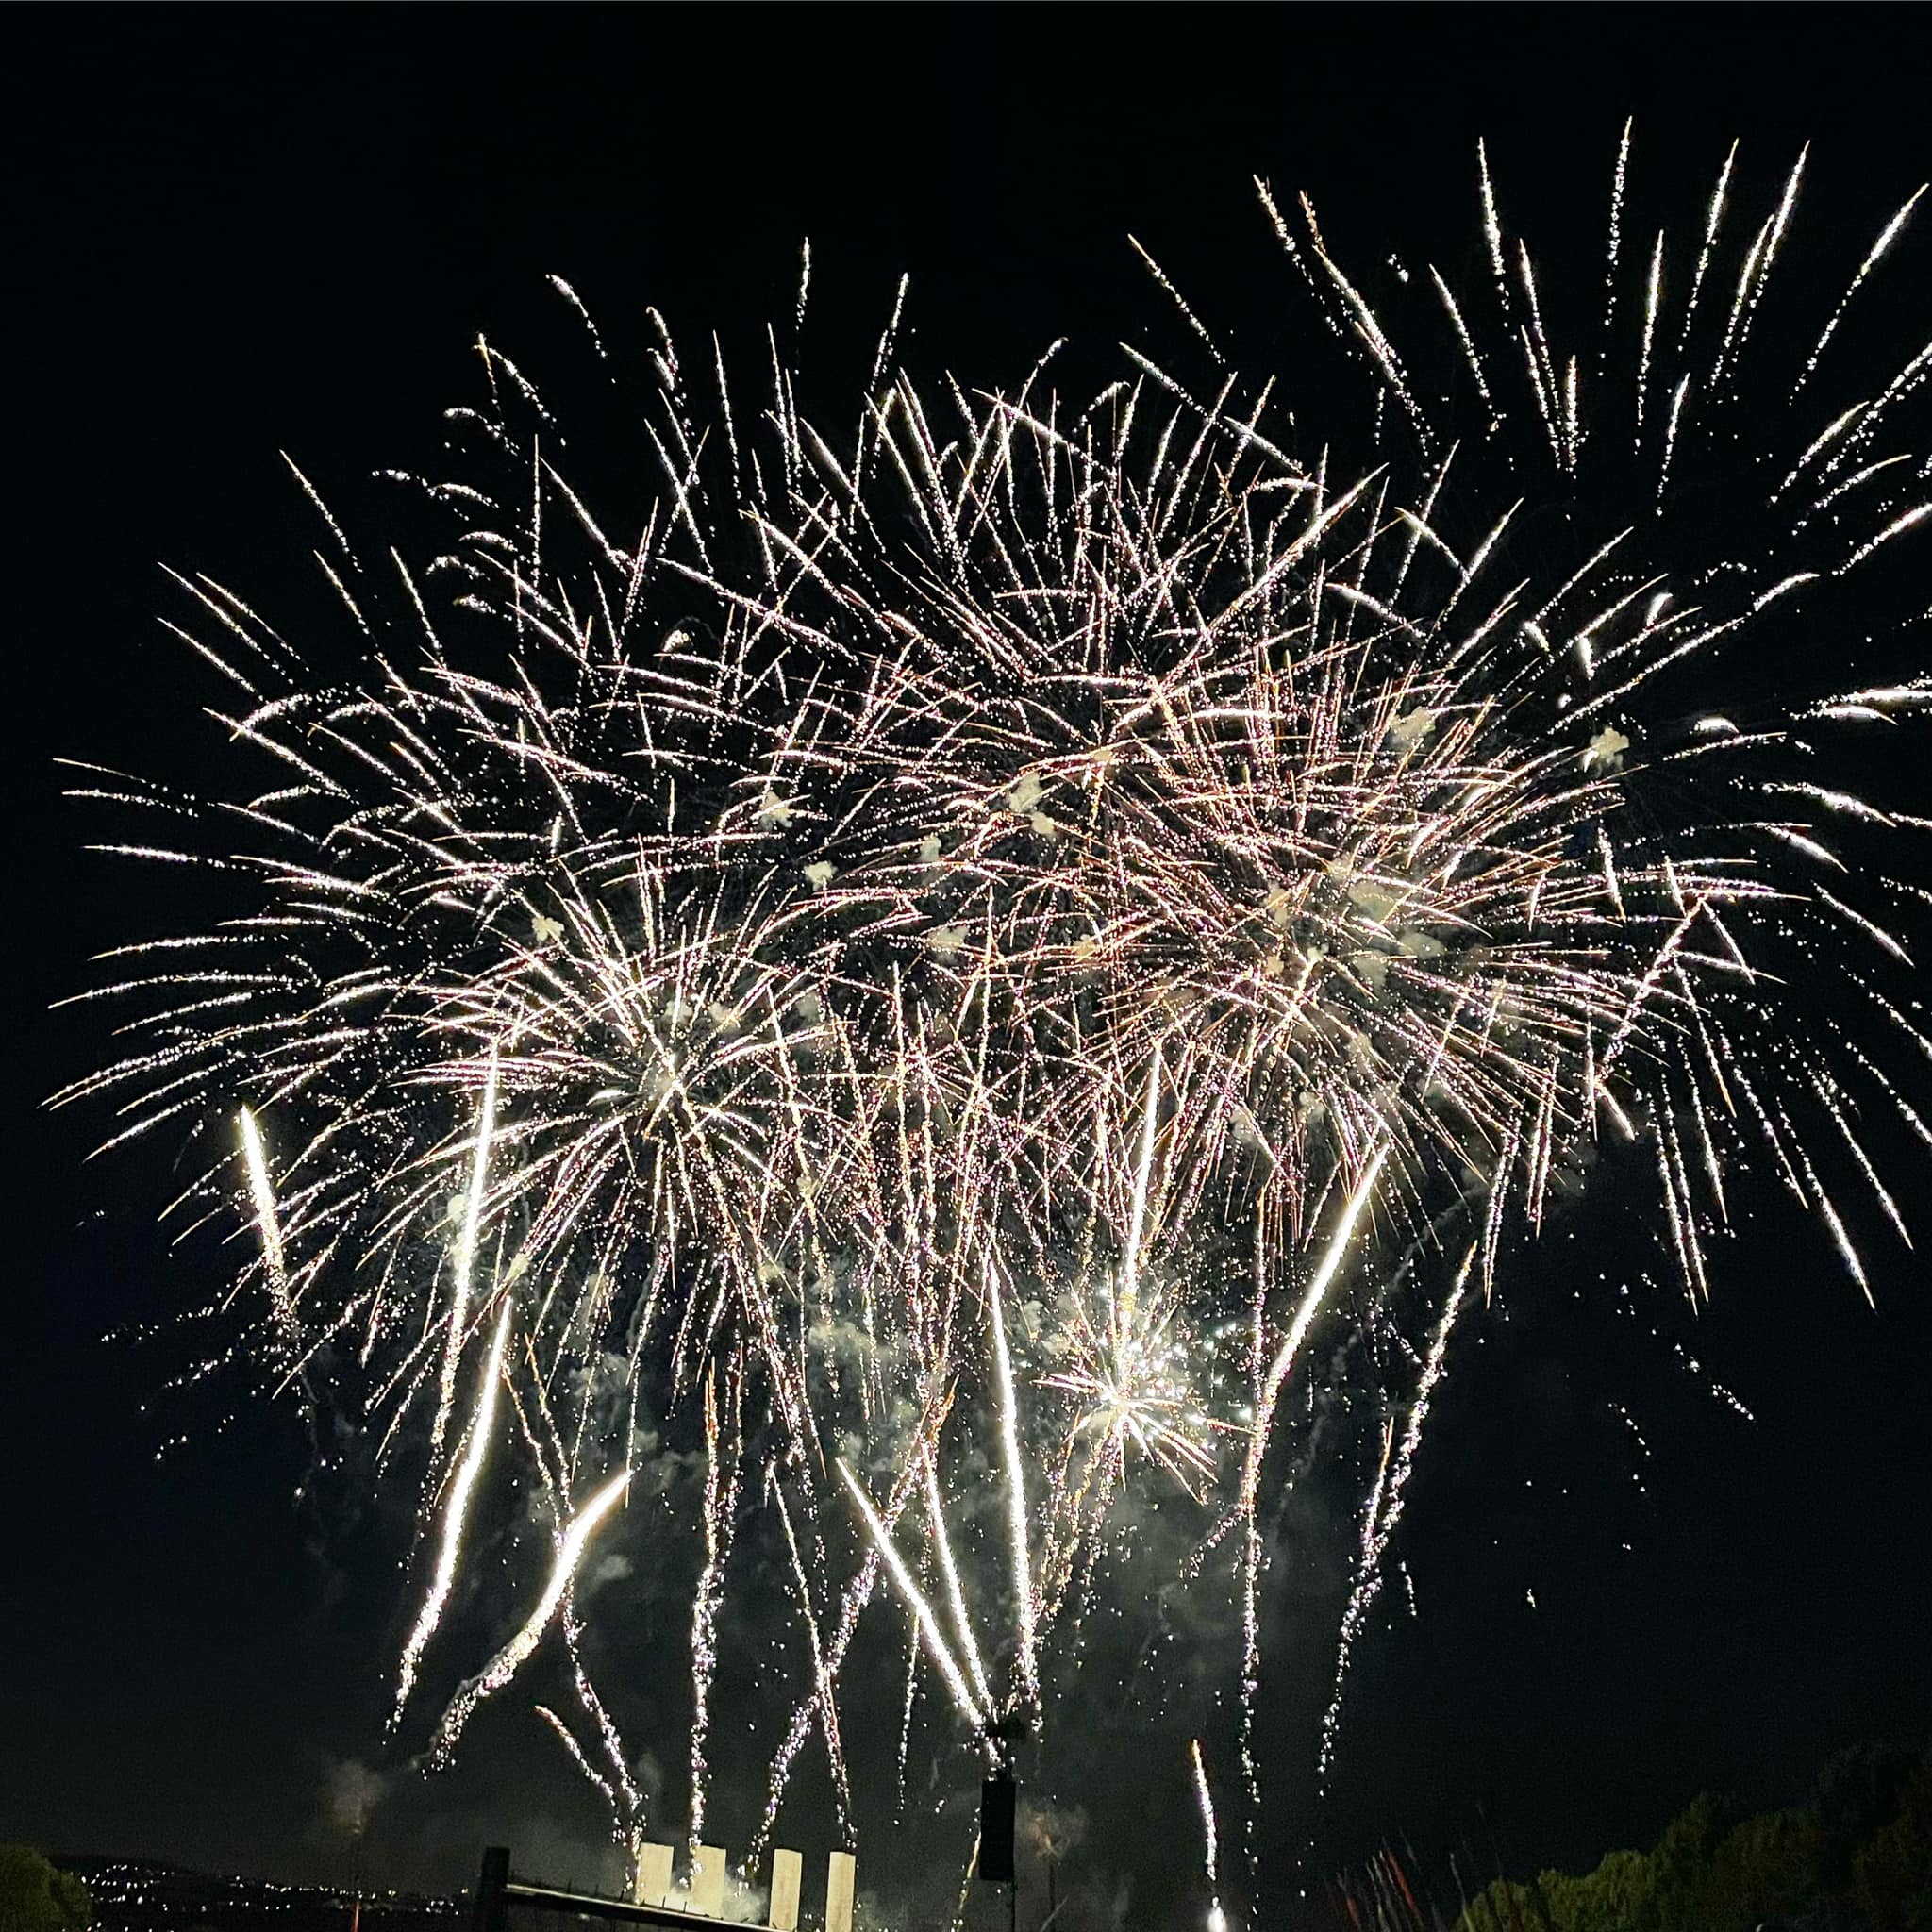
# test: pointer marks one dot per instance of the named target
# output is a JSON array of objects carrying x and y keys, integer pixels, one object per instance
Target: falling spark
[
  {"x": 936, "y": 1645},
  {"x": 261, "y": 1188},
  {"x": 955, "y": 1598},
  {"x": 1304, "y": 1316},
  {"x": 512, "y": 1656},
  {"x": 1209, "y": 1838},
  {"x": 456, "y": 1511},
  {"x": 466, "y": 1252},
  {"x": 704, "y": 1612},
  {"x": 1385, "y": 1510},
  {"x": 1025, "y": 1610}
]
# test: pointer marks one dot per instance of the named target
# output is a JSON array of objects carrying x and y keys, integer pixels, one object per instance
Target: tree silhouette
[{"x": 36, "y": 1896}]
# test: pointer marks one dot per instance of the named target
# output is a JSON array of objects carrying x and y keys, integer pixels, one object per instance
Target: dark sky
[{"x": 240, "y": 230}]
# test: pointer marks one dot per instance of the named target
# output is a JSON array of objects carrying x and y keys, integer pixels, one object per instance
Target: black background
[{"x": 237, "y": 230}]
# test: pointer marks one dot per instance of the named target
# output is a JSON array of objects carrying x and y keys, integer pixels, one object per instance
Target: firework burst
[{"x": 967, "y": 927}]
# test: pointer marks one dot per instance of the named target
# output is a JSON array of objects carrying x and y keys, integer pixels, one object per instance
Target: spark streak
[
  {"x": 936, "y": 1645},
  {"x": 466, "y": 1252},
  {"x": 456, "y": 1511},
  {"x": 1024, "y": 1608},
  {"x": 1210, "y": 1837},
  {"x": 261, "y": 1190},
  {"x": 1305, "y": 1314},
  {"x": 512, "y": 1656}
]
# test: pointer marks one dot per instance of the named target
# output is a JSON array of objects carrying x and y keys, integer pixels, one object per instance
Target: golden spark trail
[
  {"x": 704, "y": 1612},
  {"x": 949, "y": 1571},
  {"x": 456, "y": 1510},
  {"x": 466, "y": 1252},
  {"x": 254, "y": 1158},
  {"x": 1023, "y": 1607},
  {"x": 822, "y": 1678},
  {"x": 1298, "y": 1329},
  {"x": 626, "y": 1786},
  {"x": 1385, "y": 1510},
  {"x": 1130, "y": 1263},
  {"x": 568, "y": 1740},
  {"x": 1210, "y": 1837},
  {"x": 937, "y": 1648},
  {"x": 511, "y": 1657},
  {"x": 857, "y": 1594}
]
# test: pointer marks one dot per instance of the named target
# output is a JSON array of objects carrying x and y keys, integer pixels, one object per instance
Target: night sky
[{"x": 239, "y": 231}]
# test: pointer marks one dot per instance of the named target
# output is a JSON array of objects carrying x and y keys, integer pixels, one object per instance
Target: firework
[
  {"x": 974, "y": 926},
  {"x": 456, "y": 1511},
  {"x": 929, "y": 1630},
  {"x": 1210, "y": 1836},
  {"x": 511, "y": 1657},
  {"x": 261, "y": 1190}
]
